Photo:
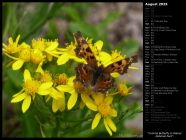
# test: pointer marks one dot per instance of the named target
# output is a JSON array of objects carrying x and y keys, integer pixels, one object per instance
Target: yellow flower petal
[
  {"x": 55, "y": 94},
  {"x": 88, "y": 102},
  {"x": 58, "y": 104},
  {"x": 72, "y": 100},
  {"x": 98, "y": 98},
  {"x": 45, "y": 86},
  {"x": 96, "y": 120},
  {"x": 52, "y": 47},
  {"x": 18, "y": 98},
  {"x": 77, "y": 59},
  {"x": 108, "y": 100},
  {"x": 63, "y": 59},
  {"x": 10, "y": 40},
  {"x": 99, "y": 45},
  {"x": 18, "y": 93},
  {"x": 61, "y": 103},
  {"x": 49, "y": 57},
  {"x": 113, "y": 113},
  {"x": 71, "y": 80},
  {"x": 44, "y": 92},
  {"x": 115, "y": 74},
  {"x": 17, "y": 39},
  {"x": 39, "y": 68},
  {"x": 17, "y": 64},
  {"x": 14, "y": 58},
  {"x": 107, "y": 127},
  {"x": 65, "y": 88},
  {"x": 27, "y": 75},
  {"x": 111, "y": 124},
  {"x": 26, "y": 103},
  {"x": 54, "y": 105},
  {"x": 105, "y": 58},
  {"x": 82, "y": 105}
]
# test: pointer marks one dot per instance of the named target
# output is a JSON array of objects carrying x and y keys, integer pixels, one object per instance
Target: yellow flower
[
  {"x": 31, "y": 87},
  {"x": 69, "y": 88},
  {"x": 67, "y": 54},
  {"x": 23, "y": 56},
  {"x": 85, "y": 96},
  {"x": 107, "y": 59},
  {"x": 46, "y": 77},
  {"x": 37, "y": 56},
  {"x": 105, "y": 111},
  {"x": 58, "y": 97},
  {"x": 12, "y": 47},
  {"x": 59, "y": 102},
  {"x": 39, "y": 44},
  {"x": 49, "y": 48},
  {"x": 124, "y": 90}
]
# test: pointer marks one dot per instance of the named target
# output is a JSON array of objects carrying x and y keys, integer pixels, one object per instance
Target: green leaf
[
  {"x": 42, "y": 107},
  {"x": 35, "y": 19},
  {"x": 128, "y": 47},
  {"x": 9, "y": 18},
  {"x": 16, "y": 77},
  {"x": 29, "y": 124}
]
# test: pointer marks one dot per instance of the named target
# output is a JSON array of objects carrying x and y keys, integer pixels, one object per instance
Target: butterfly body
[{"x": 92, "y": 76}]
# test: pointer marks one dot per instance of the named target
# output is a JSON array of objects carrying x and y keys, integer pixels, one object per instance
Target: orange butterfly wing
[
  {"x": 84, "y": 74},
  {"x": 92, "y": 75},
  {"x": 120, "y": 66},
  {"x": 83, "y": 50},
  {"x": 103, "y": 83}
]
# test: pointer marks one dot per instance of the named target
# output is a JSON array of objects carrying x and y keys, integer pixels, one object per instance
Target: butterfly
[{"x": 92, "y": 76}]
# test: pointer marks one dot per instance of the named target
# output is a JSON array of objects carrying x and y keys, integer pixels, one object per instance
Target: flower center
[
  {"x": 116, "y": 56},
  {"x": 25, "y": 54},
  {"x": 122, "y": 89},
  {"x": 39, "y": 44},
  {"x": 70, "y": 49},
  {"x": 12, "y": 49},
  {"x": 31, "y": 86},
  {"x": 78, "y": 86},
  {"x": 104, "y": 109},
  {"x": 36, "y": 56},
  {"x": 46, "y": 77},
  {"x": 62, "y": 79}
]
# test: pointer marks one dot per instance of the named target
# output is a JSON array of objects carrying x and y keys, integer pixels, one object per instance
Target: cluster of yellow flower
[{"x": 42, "y": 51}]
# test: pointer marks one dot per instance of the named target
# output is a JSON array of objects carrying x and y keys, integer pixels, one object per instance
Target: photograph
[{"x": 72, "y": 70}]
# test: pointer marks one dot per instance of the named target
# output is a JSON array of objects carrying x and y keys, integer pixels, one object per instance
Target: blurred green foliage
[{"x": 30, "y": 20}]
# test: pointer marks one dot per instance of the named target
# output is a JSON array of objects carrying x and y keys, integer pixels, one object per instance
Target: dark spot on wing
[
  {"x": 88, "y": 50},
  {"x": 120, "y": 62},
  {"x": 91, "y": 57}
]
